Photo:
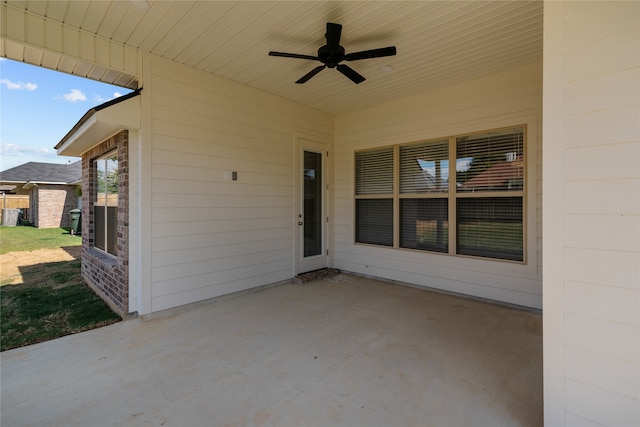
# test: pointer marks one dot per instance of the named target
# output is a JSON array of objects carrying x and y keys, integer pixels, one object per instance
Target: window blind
[
  {"x": 490, "y": 227},
  {"x": 484, "y": 212},
  {"x": 424, "y": 224},
  {"x": 374, "y": 221},
  {"x": 374, "y": 172},
  {"x": 424, "y": 168},
  {"x": 492, "y": 161}
]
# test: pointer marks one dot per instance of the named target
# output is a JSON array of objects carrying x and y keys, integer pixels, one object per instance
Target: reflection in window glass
[
  {"x": 475, "y": 210},
  {"x": 492, "y": 161},
  {"x": 490, "y": 227},
  {"x": 424, "y": 224},
  {"x": 105, "y": 206},
  {"x": 312, "y": 204},
  {"x": 424, "y": 168},
  {"x": 374, "y": 221}
]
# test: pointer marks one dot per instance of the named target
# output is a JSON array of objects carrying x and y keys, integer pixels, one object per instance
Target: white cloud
[
  {"x": 18, "y": 85},
  {"x": 12, "y": 155},
  {"x": 100, "y": 99},
  {"x": 13, "y": 150},
  {"x": 74, "y": 96}
]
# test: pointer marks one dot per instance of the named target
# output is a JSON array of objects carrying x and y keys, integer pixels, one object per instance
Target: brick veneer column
[{"x": 108, "y": 275}]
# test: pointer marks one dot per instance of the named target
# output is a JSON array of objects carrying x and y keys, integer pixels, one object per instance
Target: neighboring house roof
[
  {"x": 498, "y": 176},
  {"x": 50, "y": 173}
]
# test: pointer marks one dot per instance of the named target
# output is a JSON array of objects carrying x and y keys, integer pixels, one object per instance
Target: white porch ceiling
[{"x": 439, "y": 43}]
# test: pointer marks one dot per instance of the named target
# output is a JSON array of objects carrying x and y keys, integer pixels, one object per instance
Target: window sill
[{"x": 103, "y": 257}]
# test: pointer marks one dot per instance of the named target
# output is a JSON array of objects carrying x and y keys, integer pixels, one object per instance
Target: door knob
[{"x": 299, "y": 222}]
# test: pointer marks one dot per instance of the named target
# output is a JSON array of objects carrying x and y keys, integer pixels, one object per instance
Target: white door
[{"x": 311, "y": 216}]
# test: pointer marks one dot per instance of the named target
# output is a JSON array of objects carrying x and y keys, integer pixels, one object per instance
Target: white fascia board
[
  {"x": 101, "y": 125},
  {"x": 31, "y": 184}
]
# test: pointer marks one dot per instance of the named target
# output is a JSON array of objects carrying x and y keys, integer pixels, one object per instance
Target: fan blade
[
  {"x": 310, "y": 74},
  {"x": 333, "y": 36},
  {"x": 293, "y": 55},
  {"x": 373, "y": 53},
  {"x": 350, "y": 73}
]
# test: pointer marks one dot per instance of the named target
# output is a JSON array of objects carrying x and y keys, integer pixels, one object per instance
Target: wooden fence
[
  {"x": 12, "y": 201},
  {"x": 111, "y": 199}
]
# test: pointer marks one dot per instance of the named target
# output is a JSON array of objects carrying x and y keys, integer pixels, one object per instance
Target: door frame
[{"x": 316, "y": 145}]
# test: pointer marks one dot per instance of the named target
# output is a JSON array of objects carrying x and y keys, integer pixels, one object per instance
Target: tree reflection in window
[{"x": 106, "y": 203}]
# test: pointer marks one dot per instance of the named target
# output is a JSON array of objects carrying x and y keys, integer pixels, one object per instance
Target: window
[
  {"x": 424, "y": 184},
  {"x": 105, "y": 205},
  {"x": 374, "y": 197},
  {"x": 407, "y": 196},
  {"x": 489, "y": 186}
]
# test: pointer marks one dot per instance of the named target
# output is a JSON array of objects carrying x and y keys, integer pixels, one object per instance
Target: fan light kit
[{"x": 332, "y": 54}]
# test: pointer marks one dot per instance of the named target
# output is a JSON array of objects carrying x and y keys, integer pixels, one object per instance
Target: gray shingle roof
[{"x": 43, "y": 172}]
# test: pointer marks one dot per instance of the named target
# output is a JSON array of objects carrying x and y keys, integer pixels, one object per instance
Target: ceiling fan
[{"x": 332, "y": 54}]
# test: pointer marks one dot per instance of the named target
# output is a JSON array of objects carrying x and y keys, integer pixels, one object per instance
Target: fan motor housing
[{"x": 331, "y": 58}]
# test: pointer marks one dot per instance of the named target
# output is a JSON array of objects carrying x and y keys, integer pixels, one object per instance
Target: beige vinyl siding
[
  {"x": 510, "y": 98},
  {"x": 210, "y": 235},
  {"x": 592, "y": 213}
]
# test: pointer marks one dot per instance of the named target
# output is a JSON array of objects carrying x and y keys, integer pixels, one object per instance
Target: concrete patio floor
[{"x": 348, "y": 351}]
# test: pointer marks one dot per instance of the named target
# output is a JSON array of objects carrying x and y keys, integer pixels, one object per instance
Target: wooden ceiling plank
[
  {"x": 128, "y": 24},
  {"x": 67, "y": 64},
  {"x": 116, "y": 13},
  {"x": 246, "y": 33},
  {"x": 169, "y": 20},
  {"x": 183, "y": 46},
  {"x": 56, "y": 10},
  {"x": 187, "y": 22},
  {"x": 149, "y": 21},
  {"x": 96, "y": 13},
  {"x": 36, "y": 7},
  {"x": 223, "y": 30},
  {"x": 75, "y": 13},
  {"x": 439, "y": 42},
  {"x": 33, "y": 55},
  {"x": 51, "y": 60}
]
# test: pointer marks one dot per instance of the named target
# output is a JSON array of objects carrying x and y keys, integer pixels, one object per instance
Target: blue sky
[{"x": 38, "y": 107}]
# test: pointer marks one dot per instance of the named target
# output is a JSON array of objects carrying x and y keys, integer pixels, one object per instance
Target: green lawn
[
  {"x": 490, "y": 239},
  {"x": 52, "y": 300},
  {"x": 27, "y": 238}
]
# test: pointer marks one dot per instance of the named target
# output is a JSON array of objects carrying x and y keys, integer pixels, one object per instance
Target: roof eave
[
  {"x": 100, "y": 123},
  {"x": 31, "y": 184}
]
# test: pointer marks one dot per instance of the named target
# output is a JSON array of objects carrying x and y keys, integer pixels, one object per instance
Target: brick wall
[
  {"x": 108, "y": 275},
  {"x": 33, "y": 206},
  {"x": 54, "y": 203}
]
